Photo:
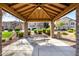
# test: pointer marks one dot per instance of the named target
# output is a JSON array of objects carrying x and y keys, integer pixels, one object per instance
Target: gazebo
[{"x": 38, "y": 12}]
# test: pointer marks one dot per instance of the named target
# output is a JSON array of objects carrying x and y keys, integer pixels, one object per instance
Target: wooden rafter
[
  {"x": 67, "y": 10},
  {"x": 10, "y": 10},
  {"x": 32, "y": 12},
  {"x": 58, "y": 5},
  {"x": 25, "y": 8},
  {"x": 17, "y": 6},
  {"x": 26, "y": 15},
  {"x": 46, "y": 12},
  {"x": 27, "y": 11},
  {"x": 23, "y": 11},
  {"x": 52, "y": 8}
]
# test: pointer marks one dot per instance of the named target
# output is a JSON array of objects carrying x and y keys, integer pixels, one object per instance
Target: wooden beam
[
  {"x": 26, "y": 15},
  {"x": 52, "y": 8},
  {"x": 10, "y": 10},
  {"x": 46, "y": 12},
  {"x": 18, "y": 5},
  {"x": 32, "y": 12},
  {"x": 25, "y": 8},
  {"x": 27, "y": 11},
  {"x": 58, "y": 5},
  {"x": 67, "y": 10}
]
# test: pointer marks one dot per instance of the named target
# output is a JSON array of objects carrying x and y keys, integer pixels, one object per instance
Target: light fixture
[{"x": 39, "y": 8}]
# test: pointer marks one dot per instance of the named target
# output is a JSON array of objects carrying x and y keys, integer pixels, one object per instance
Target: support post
[
  {"x": 77, "y": 30},
  {"x": 25, "y": 29},
  {"x": 52, "y": 29},
  {"x": 0, "y": 32}
]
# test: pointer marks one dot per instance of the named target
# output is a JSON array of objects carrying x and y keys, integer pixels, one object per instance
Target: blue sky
[
  {"x": 8, "y": 17},
  {"x": 71, "y": 15}
]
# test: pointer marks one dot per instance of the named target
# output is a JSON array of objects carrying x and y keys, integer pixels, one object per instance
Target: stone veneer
[
  {"x": 0, "y": 32},
  {"x": 77, "y": 31}
]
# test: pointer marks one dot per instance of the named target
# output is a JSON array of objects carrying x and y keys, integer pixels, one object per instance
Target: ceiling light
[{"x": 39, "y": 8}]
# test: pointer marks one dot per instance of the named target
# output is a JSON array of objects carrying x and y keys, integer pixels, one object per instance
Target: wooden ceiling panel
[
  {"x": 16, "y": 6},
  {"x": 67, "y": 10},
  {"x": 39, "y": 13},
  {"x": 52, "y": 8},
  {"x": 11, "y": 11},
  {"x": 50, "y": 11},
  {"x": 58, "y": 5},
  {"x": 28, "y": 11},
  {"x": 25, "y": 8},
  {"x": 26, "y": 15}
]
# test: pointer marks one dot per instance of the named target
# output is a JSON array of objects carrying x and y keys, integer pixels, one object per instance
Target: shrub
[
  {"x": 44, "y": 30},
  {"x": 64, "y": 33},
  {"x": 39, "y": 31},
  {"x": 9, "y": 30},
  {"x": 17, "y": 30},
  {"x": 35, "y": 31},
  {"x": 10, "y": 38},
  {"x": 5, "y": 29},
  {"x": 3, "y": 40},
  {"x": 20, "y": 34},
  {"x": 71, "y": 30},
  {"x": 48, "y": 31},
  {"x": 29, "y": 32},
  {"x": 28, "y": 28},
  {"x": 33, "y": 28}
]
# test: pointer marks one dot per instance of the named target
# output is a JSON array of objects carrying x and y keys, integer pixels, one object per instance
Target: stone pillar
[
  {"x": 52, "y": 29},
  {"x": 25, "y": 29},
  {"x": 77, "y": 31},
  {"x": 0, "y": 32}
]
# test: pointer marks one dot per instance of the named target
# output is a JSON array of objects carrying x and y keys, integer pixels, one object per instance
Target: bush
[
  {"x": 39, "y": 31},
  {"x": 3, "y": 40},
  {"x": 48, "y": 31},
  {"x": 17, "y": 30},
  {"x": 10, "y": 38},
  {"x": 71, "y": 30},
  {"x": 9, "y": 30},
  {"x": 35, "y": 31},
  {"x": 44, "y": 30},
  {"x": 29, "y": 32},
  {"x": 33, "y": 28},
  {"x": 64, "y": 33},
  {"x": 20, "y": 34},
  {"x": 5, "y": 29},
  {"x": 28, "y": 28}
]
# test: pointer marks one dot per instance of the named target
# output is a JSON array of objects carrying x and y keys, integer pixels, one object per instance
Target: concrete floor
[{"x": 38, "y": 46}]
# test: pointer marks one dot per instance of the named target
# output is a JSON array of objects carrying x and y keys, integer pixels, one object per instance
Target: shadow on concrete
[{"x": 49, "y": 49}]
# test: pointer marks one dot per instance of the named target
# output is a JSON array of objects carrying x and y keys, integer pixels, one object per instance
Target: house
[
  {"x": 20, "y": 25},
  {"x": 68, "y": 23}
]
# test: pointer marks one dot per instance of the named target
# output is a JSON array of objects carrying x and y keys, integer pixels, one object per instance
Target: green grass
[{"x": 6, "y": 34}]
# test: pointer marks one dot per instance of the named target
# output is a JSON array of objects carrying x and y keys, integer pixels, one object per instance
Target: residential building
[{"x": 68, "y": 23}]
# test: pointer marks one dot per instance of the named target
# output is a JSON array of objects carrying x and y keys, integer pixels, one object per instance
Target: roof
[{"x": 38, "y": 11}]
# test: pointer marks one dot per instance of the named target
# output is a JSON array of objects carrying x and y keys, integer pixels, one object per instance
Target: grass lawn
[{"x": 6, "y": 34}]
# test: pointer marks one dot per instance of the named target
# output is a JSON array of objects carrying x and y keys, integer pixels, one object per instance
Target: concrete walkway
[{"x": 36, "y": 46}]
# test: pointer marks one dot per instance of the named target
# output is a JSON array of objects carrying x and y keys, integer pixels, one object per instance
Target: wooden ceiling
[{"x": 38, "y": 11}]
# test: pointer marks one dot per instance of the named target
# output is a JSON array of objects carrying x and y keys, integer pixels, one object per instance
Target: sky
[
  {"x": 71, "y": 15},
  {"x": 8, "y": 17}
]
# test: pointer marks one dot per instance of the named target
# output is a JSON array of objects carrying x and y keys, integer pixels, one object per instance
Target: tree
[
  {"x": 60, "y": 24},
  {"x": 46, "y": 25}
]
